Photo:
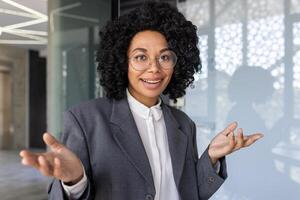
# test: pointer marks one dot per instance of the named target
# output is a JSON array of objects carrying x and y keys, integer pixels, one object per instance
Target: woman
[{"x": 130, "y": 144}]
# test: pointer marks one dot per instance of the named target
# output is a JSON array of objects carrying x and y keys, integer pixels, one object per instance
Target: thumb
[{"x": 51, "y": 142}]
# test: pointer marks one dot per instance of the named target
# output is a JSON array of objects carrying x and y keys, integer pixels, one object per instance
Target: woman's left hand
[{"x": 227, "y": 142}]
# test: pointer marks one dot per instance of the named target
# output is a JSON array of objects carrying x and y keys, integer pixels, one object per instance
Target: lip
[
  {"x": 151, "y": 80},
  {"x": 152, "y": 84}
]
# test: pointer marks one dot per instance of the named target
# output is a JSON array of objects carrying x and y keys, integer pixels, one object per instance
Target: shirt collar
[{"x": 142, "y": 110}]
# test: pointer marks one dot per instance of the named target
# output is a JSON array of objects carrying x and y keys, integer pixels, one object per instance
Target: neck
[{"x": 149, "y": 102}]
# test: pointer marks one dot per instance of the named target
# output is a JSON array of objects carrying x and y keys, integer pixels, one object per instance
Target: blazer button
[
  {"x": 149, "y": 197},
  {"x": 210, "y": 179}
]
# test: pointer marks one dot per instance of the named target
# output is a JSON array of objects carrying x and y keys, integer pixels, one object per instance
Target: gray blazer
[{"x": 104, "y": 136}]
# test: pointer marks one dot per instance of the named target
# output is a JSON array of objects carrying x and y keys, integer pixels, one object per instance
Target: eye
[
  {"x": 166, "y": 57},
  {"x": 140, "y": 58}
]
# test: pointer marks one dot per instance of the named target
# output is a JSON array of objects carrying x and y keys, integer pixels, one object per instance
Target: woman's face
[{"x": 146, "y": 85}]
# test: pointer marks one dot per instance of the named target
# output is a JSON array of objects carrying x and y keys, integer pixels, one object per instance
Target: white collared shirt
[{"x": 151, "y": 127}]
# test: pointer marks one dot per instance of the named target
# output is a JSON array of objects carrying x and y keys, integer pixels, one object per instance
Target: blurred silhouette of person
[{"x": 250, "y": 86}]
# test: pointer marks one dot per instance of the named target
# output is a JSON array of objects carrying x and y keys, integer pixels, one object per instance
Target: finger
[
  {"x": 259, "y": 135},
  {"x": 44, "y": 168},
  {"x": 50, "y": 141},
  {"x": 25, "y": 153},
  {"x": 252, "y": 138},
  {"x": 230, "y": 128},
  {"x": 29, "y": 159},
  {"x": 57, "y": 171},
  {"x": 232, "y": 142},
  {"x": 239, "y": 140},
  {"x": 30, "y": 162}
]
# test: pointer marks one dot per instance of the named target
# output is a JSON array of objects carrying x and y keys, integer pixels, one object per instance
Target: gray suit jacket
[{"x": 104, "y": 135}]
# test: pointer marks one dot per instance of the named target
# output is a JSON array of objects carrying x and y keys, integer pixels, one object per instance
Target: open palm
[
  {"x": 227, "y": 142},
  {"x": 59, "y": 162}
]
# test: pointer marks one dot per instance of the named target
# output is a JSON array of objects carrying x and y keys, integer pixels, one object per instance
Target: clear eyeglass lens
[{"x": 166, "y": 60}]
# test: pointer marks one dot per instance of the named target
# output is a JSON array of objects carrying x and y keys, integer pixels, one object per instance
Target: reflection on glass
[
  {"x": 295, "y": 6},
  {"x": 196, "y": 11},
  {"x": 266, "y": 42},
  {"x": 228, "y": 12},
  {"x": 203, "y": 47},
  {"x": 229, "y": 45},
  {"x": 248, "y": 82},
  {"x": 258, "y": 9},
  {"x": 73, "y": 41}
]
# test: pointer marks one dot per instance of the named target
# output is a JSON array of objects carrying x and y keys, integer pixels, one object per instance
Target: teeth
[{"x": 150, "y": 81}]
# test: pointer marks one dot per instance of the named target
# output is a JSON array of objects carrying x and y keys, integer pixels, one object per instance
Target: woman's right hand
[{"x": 60, "y": 162}]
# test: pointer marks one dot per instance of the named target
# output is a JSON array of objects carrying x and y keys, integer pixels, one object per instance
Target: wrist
[
  {"x": 212, "y": 158},
  {"x": 73, "y": 182}
]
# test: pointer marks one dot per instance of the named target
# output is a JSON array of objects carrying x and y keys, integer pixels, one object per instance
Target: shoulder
[{"x": 99, "y": 106}]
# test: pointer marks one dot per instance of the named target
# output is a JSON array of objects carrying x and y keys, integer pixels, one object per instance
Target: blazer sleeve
[
  {"x": 74, "y": 138},
  {"x": 209, "y": 180}
]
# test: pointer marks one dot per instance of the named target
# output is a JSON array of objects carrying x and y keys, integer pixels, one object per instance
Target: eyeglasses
[{"x": 142, "y": 61}]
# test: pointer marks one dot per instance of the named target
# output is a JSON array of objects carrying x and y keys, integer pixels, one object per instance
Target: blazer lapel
[
  {"x": 127, "y": 137},
  {"x": 177, "y": 143}
]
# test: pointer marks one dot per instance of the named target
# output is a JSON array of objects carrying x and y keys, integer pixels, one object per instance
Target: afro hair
[{"x": 116, "y": 35}]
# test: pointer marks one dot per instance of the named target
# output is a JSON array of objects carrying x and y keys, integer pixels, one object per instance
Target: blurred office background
[{"x": 250, "y": 53}]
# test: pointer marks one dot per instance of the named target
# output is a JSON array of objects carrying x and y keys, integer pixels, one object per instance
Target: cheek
[
  {"x": 169, "y": 74},
  {"x": 133, "y": 75}
]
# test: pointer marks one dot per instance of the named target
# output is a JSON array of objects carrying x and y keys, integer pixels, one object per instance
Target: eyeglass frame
[{"x": 156, "y": 60}]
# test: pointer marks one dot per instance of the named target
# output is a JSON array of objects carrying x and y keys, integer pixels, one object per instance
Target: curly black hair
[{"x": 116, "y": 36}]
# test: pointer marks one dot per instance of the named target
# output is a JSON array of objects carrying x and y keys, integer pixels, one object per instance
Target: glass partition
[
  {"x": 250, "y": 54},
  {"x": 73, "y": 41}
]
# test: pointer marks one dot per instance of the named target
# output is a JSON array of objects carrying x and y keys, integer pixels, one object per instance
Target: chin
[{"x": 151, "y": 94}]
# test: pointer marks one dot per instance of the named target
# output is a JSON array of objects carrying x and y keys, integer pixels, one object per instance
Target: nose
[{"x": 154, "y": 66}]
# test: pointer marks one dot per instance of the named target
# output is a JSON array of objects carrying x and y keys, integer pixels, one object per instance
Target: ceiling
[{"x": 23, "y": 23}]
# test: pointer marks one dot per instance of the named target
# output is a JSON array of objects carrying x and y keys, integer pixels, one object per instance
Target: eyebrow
[{"x": 145, "y": 50}]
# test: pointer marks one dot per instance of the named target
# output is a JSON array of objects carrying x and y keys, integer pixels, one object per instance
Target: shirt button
[{"x": 149, "y": 197}]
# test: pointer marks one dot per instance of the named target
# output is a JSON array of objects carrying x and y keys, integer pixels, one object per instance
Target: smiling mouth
[{"x": 151, "y": 81}]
